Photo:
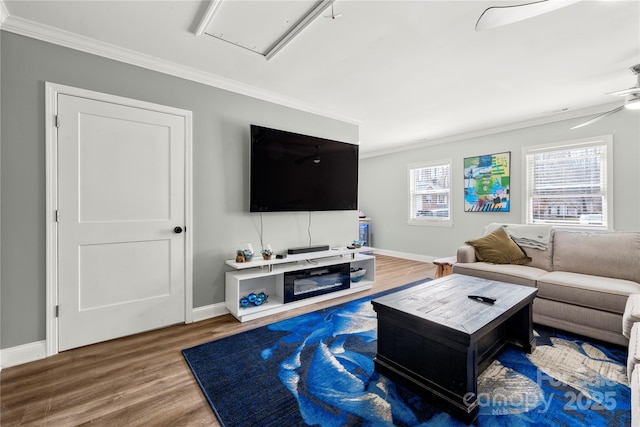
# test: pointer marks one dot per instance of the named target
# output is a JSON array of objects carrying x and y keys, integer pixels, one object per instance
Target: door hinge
[
  {"x": 57, "y": 215},
  {"x": 57, "y": 311},
  {"x": 57, "y": 122}
]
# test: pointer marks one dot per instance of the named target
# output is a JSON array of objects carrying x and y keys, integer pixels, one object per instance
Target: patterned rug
[{"x": 317, "y": 369}]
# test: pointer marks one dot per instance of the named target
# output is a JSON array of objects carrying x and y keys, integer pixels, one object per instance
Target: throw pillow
[{"x": 498, "y": 248}]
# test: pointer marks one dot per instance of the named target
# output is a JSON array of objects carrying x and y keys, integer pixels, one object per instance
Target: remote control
[{"x": 480, "y": 298}]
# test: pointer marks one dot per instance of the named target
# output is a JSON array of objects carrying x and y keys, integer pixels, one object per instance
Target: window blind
[{"x": 568, "y": 185}]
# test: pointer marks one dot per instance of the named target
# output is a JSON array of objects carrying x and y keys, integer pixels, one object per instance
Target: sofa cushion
[
  {"x": 517, "y": 274},
  {"x": 631, "y": 314},
  {"x": 498, "y": 248},
  {"x": 598, "y": 253},
  {"x": 600, "y": 293},
  {"x": 540, "y": 258},
  {"x": 598, "y": 324},
  {"x": 635, "y": 398},
  {"x": 633, "y": 357}
]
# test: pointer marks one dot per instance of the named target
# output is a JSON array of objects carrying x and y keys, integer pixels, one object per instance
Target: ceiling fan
[
  {"x": 632, "y": 101},
  {"x": 498, "y": 16}
]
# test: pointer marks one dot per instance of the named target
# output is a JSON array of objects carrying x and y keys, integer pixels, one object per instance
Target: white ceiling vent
[{"x": 262, "y": 26}]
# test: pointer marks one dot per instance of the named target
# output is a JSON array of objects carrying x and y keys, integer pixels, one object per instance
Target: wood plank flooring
[{"x": 143, "y": 380}]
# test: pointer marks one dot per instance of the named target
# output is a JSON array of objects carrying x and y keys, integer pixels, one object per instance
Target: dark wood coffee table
[{"x": 436, "y": 341}]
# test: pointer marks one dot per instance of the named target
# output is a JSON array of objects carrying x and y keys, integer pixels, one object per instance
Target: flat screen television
[{"x": 294, "y": 172}]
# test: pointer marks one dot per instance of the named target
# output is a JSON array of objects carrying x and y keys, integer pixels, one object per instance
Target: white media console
[{"x": 268, "y": 276}]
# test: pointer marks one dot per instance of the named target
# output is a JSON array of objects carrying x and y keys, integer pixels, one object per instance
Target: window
[
  {"x": 429, "y": 193},
  {"x": 569, "y": 183}
]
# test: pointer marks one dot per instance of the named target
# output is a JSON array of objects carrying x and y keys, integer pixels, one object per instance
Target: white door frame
[{"x": 52, "y": 90}]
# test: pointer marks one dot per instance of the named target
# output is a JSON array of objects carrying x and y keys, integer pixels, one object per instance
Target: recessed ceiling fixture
[{"x": 263, "y": 27}]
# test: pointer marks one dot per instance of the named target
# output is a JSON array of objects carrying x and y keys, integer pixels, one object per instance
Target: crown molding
[
  {"x": 74, "y": 41},
  {"x": 598, "y": 109}
]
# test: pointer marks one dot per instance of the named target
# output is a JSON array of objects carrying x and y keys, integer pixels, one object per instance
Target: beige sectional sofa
[{"x": 583, "y": 278}]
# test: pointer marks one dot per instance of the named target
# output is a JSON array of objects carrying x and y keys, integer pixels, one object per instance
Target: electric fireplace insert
[{"x": 311, "y": 282}]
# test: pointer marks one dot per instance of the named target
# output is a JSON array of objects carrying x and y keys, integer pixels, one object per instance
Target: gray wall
[
  {"x": 220, "y": 172},
  {"x": 384, "y": 196}
]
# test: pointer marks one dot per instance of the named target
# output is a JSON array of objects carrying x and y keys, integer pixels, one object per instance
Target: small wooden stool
[{"x": 444, "y": 266}]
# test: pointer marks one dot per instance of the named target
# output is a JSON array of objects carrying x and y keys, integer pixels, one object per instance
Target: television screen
[{"x": 293, "y": 172}]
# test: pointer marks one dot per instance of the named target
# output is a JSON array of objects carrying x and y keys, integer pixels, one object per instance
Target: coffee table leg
[
  {"x": 520, "y": 329},
  {"x": 470, "y": 399}
]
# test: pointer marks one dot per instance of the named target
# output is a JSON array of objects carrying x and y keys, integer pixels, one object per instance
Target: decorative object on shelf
[
  {"x": 267, "y": 252},
  {"x": 269, "y": 277},
  {"x": 486, "y": 183},
  {"x": 357, "y": 274},
  {"x": 246, "y": 250},
  {"x": 254, "y": 299},
  {"x": 357, "y": 243}
]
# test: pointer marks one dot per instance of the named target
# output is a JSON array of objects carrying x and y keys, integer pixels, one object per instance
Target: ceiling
[{"x": 407, "y": 72}]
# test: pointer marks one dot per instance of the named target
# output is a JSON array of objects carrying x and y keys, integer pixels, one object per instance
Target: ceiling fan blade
[
  {"x": 625, "y": 92},
  {"x": 498, "y": 16},
  {"x": 596, "y": 118}
]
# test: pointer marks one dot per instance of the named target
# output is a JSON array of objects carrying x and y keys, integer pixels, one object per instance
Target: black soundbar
[{"x": 305, "y": 249}]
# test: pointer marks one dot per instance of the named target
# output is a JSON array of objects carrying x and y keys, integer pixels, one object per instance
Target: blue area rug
[{"x": 317, "y": 369}]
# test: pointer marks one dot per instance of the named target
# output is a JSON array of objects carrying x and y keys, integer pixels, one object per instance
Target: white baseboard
[
  {"x": 38, "y": 350},
  {"x": 405, "y": 255},
  {"x": 209, "y": 311},
  {"x": 31, "y": 352},
  {"x": 24, "y": 353}
]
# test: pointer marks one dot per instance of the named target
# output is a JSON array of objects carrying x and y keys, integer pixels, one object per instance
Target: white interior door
[{"x": 121, "y": 197}]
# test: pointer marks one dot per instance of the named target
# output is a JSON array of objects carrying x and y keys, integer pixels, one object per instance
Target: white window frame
[
  {"x": 605, "y": 140},
  {"x": 429, "y": 221}
]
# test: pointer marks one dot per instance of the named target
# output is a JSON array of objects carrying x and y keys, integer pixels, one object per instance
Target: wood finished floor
[{"x": 143, "y": 380}]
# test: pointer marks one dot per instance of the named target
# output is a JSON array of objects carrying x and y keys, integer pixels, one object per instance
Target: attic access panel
[{"x": 262, "y": 26}]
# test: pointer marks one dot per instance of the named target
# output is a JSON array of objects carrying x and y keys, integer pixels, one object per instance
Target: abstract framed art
[{"x": 487, "y": 183}]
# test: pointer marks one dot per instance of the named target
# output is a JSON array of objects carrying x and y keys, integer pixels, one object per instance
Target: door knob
[{"x": 177, "y": 230}]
